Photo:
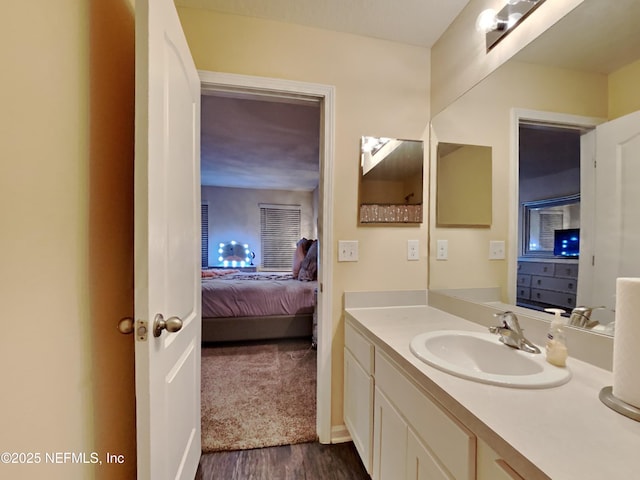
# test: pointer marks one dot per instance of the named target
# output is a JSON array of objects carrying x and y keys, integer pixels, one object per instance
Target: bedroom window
[
  {"x": 204, "y": 232},
  {"x": 279, "y": 232}
]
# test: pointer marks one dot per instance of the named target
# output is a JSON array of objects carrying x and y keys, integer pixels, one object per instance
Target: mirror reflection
[
  {"x": 463, "y": 185},
  {"x": 580, "y": 75},
  {"x": 551, "y": 228},
  {"x": 390, "y": 187}
]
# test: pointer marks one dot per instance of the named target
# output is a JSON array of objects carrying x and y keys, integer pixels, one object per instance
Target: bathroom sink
[{"x": 483, "y": 358}]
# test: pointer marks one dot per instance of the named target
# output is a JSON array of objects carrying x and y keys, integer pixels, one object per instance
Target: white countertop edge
[{"x": 562, "y": 432}]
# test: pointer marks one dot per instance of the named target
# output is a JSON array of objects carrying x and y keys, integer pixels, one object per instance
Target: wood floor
[{"x": 304, "y": 461}]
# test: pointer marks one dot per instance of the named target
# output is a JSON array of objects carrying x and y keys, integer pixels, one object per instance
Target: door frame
[
  {"x": 519, "y": 115},
  {"x": 229, "y": 82}
]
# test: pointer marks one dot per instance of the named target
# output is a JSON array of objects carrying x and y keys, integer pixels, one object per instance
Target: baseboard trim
[{"x": 340, "y": 434}]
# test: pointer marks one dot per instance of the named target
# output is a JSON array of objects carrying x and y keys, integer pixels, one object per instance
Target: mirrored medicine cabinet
[{"x": 390, "y": 189}]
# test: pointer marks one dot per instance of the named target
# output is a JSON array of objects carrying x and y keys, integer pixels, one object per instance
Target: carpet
[{"x": 258, "y": 395}]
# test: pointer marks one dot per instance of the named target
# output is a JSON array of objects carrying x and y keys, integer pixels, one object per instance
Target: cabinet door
[
  {"x": 421, "y": 464},
  {"x": 389, "y": 441},
  {"x": 451, "y": 443},
  {"x": 358, "y": 406}
]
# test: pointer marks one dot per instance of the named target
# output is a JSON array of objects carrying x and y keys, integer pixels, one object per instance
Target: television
[{"x": 566, "y": 243}]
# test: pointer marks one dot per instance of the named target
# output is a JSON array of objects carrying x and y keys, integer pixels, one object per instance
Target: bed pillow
[
  {"x": 309, "y": 267},
  {"x": 302, "y": 247}
]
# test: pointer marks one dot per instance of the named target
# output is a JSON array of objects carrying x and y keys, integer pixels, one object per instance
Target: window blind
[
  {"x": 279, "y": 233},
  {"x": 204, "y": 229}
]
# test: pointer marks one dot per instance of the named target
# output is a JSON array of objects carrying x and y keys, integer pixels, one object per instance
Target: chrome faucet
[
  {"x": 511, "y": 334},
  {"x": 581, "y": 317}
]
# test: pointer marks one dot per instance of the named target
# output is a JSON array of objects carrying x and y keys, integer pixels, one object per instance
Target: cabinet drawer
[
  {"x": 566, "y": 300},
  {"x": 492, "y": 467},
  {"x": 524, "y": 293},
  {"x": 535, "y": 268},
  {"x": 524, "y": 280},
  {"x": 450, "y": 441},
  {"x": 566, "y": 285},
  {"x": 566, "y": 270},
  {"x": 360, "y": 348}
]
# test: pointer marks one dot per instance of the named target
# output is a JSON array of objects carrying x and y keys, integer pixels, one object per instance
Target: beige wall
[
  {"x": 624, "y": 94},
  {"x": 381, "y": 90},
  {"x": 482, "y": 116},
  {"x": 66, "y": 149}
]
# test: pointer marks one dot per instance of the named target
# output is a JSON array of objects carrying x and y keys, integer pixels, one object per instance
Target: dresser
[{"x": 547, "y": 284}]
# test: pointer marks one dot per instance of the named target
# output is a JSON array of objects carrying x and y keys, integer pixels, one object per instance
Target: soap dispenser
[{"x": 556, "y": 341}]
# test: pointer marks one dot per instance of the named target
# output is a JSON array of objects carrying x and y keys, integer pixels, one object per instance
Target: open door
[
  {"x": 167, "y": 325},
  {"x": 616, "y": 223}
]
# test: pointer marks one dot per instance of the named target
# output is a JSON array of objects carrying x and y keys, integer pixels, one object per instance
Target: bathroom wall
[
  {"x": 382, "y": 89},
  {"x": 66, "y": 143},
  {"x": 624, "y": 94}
]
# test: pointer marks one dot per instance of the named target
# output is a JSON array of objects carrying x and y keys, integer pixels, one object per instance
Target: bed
[{"x": 239, "y": 305}]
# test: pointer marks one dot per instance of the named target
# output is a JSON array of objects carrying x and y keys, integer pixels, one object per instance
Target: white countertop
[{"x": 565, "y": 431}]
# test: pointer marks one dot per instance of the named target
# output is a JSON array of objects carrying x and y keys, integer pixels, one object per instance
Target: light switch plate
[
  {"x": 496, "y": 250},
  {"x": 413, "y": 250},
  {"x": 347, "y": 250}
]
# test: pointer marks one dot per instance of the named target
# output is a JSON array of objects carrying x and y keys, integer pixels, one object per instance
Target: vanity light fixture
[
  {"x": 496, "y": 25},
  {"x": 233, "y": 254}
]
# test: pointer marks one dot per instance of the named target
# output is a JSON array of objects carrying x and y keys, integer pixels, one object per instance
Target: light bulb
[{"x": 487, "y": 21}]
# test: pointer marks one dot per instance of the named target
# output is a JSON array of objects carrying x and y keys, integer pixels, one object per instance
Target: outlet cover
[
  {"x": 442, "y": 250},
  {"x": 347, "y": 250},
  {"x": 413, "y": 250},
  {"x": 496, "y": 250}
]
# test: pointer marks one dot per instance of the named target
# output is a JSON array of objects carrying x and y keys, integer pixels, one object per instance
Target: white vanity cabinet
[
  {"x": 399, "y": 452},
  {"x": 413, "y": 436},
  {"x": 389, "y": 440},
  {"x": 399, "y": 431},
  {"x": 358, "y": 393}
]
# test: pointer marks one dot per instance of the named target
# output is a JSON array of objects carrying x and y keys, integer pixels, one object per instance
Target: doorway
[
  {"x": 283, "y": 89},
  {"x": 534, "y": 135}
]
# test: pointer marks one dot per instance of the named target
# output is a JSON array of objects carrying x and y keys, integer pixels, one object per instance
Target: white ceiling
[
  {"x": 248, "y": 143},
  {"x": 416, "y": 22},
  {"x": 259, "y": 143}
]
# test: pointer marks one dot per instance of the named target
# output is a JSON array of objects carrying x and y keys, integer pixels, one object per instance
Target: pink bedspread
[{"x": 246, "y": 294}]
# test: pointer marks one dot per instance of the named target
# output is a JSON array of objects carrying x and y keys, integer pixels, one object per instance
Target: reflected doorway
[{"x": 549, "y": 188}]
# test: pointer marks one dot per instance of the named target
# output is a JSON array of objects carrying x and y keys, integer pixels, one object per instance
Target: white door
[
  {"x": 167, "y": 246},
  {"x": 616, "y": 228}
]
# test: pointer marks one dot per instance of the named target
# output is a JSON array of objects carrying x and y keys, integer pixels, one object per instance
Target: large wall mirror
[
  {"x": 580, "y": 76},
  {"x": 390, "y": 187}
]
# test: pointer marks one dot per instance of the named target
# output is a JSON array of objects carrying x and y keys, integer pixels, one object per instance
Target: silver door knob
[
  {"x": 125, "y": 325},
  {"x": 171, "y": 324}
]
